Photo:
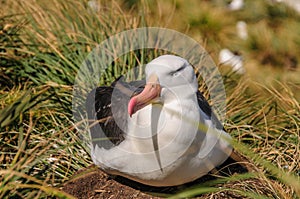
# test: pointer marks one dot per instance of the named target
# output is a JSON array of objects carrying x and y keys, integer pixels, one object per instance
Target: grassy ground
[{"x": 42, "y": 45}]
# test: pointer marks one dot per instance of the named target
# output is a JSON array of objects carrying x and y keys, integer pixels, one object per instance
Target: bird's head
[{"x": 164, "y": 75}]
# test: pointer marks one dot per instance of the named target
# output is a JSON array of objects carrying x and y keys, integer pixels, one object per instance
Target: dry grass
[{"x": 44, "y": 43}]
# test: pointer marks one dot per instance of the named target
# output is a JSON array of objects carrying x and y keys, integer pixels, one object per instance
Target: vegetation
[{"x": 43, "y": 44}]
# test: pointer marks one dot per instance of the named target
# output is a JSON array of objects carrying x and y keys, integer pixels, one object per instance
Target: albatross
[{"x": 158, "y": 132}]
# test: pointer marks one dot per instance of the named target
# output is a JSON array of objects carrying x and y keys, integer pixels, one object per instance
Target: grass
[{"x": 43, "y": 44}]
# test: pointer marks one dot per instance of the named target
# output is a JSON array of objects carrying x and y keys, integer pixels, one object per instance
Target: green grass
[{"x": 43, "y": 45}]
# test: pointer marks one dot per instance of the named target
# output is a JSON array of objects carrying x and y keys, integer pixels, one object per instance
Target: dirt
[{"x": 92, "y": 183}]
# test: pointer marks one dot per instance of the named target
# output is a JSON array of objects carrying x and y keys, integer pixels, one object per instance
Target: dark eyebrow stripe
[{"x": 179, "y": 69}]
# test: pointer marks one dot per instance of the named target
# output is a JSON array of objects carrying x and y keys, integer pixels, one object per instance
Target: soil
[{"x": 92, "y": 183}]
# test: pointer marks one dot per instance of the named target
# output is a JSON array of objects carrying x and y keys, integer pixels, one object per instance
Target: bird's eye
[{"x": 176, "y": 73}]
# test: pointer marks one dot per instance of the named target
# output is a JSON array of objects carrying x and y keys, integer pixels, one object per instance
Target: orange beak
[{"x": 146, "y": 97}]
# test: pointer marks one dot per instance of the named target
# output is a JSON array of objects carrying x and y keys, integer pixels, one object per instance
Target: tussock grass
[{"x": 44, "y": 43}]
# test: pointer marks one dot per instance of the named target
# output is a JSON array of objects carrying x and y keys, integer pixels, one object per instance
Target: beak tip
[
  {"x": 131, "y": 105},
  {"x": 130, "y": 113}
]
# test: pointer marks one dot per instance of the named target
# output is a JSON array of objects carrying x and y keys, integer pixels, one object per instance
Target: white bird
[
  {"x": 242, "y": 31},
  {"x": 236, "y": 5},
  {"x": 94, "y": 5},
  {"x": 227, "y": 57},
  {"x": 294, "y": 4},
  {"x": 165, "y": 134}
]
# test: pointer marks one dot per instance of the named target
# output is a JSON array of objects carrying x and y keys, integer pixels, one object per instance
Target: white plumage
[
  {"x": 242, "y": 31},
  {"x": 227, "y": 57},
  {"x": 170, "y": 140},
  {"x": 236, "y": 5}
]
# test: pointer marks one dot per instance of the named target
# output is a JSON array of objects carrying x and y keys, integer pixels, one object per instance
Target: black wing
[
  {"x": 104, "y": 130},
  {"x": 205, "y": 107}
]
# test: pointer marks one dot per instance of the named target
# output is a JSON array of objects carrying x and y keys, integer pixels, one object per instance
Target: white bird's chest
[{"x": 170, "y": 126}]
